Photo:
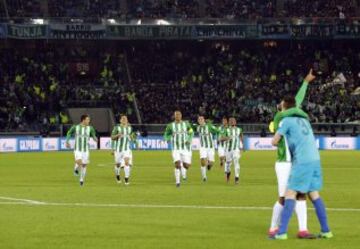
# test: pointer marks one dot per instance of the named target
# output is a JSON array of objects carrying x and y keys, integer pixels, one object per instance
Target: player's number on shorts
[{"x": 305, "y": 129}]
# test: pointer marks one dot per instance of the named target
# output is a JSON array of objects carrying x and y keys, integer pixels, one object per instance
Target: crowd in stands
[
  {"x": 215, "y": 79},
  {"x": 240, "y": 9},
  {"x": 230, "y": 9},
  {"x": 64, "y": 8},
  {"x": 37, "y": 87},
  {"x": 93, "y": 8},
  {"x": 319, "y": 8},
  {"x": 163, "y": 8},
  {"x": 20, "y": 8},
  {"x": 222, "y": 80}
]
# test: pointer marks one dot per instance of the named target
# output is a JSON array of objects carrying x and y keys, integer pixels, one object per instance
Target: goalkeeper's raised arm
[{"x": 300, "y": 95}]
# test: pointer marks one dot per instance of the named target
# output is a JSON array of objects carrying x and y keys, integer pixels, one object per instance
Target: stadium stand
[
  {"x": 241, "y": 78},
  {"x": 222, "y": 79},
  {"x": 239, "y": 9}
]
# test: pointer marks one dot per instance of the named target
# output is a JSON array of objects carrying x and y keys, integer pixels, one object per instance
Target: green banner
[
  {"x": 62, "y": 31},
  {"x": 77, "y": 31},
  {"x": 26, "y": 31},
  {"x": 181, "y": 31}
]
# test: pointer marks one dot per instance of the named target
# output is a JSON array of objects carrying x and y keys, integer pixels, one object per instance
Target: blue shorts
[{"x": 305, "y": 178}]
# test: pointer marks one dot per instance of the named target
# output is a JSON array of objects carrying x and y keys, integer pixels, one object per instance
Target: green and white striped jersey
[
  {"x": 122, "y": 143},
  {"x": 82, "y": 135},
  {"x": 233, "y": 133},
  {"x": 221, "y": 133},
  {"x": 206, "y": 133},
  {"x": 180, "y": 134}
]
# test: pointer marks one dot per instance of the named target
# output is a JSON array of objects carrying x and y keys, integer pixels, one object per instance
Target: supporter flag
[{"x": 338, "y": 80}]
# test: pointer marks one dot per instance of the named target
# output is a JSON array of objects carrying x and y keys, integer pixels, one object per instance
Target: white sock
[
  {"x": 183, "y": 172},
  {"x": 82, "y": 174},
  {"x": 127, "y": 171},
  {"x": 76, "y": 166},
  {"x": 301, "y": 213},
  {"x": 117, "y": 170},
  {"x": 237, "y": 168},
  {"x": 227, "y": 167},
  {"x": 275, "y": 219},
  {"x": 203, "y": 172},
  {"x": 177, "y": 176}
]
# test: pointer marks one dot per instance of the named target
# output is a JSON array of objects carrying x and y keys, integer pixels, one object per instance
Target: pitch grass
[{"x": 48, "y": 177}]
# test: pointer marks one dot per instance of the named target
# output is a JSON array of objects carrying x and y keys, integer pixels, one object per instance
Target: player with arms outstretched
[
  {"x": 206, "y": 132},
  {"x": 122, "y": 137},
  {"x": 180, "y": 134},
  {"x": 82, "y": 133}
]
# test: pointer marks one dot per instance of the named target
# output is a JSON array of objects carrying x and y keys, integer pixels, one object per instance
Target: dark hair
[
  {"x": 122, "y": 115},
  {"x": 83, "y": 117},
  {"x": 224, "y": 118},
  {"x": 289, "y": 101}
]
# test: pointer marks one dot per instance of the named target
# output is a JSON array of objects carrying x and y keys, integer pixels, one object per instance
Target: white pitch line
[
  {"x": 13, "y": 203},
  {"x": 118, "y": 205},
  {"x": 21, "y": 200}
]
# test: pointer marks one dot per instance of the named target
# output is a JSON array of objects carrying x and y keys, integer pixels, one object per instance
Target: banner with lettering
[
  {"x": 240, "y": 31},
  {"x": 33, "y": 144},
  {"x": 21, "y": 31},
  {"x": 77, "y": 31},
  {"x": 181, "y": 31}
]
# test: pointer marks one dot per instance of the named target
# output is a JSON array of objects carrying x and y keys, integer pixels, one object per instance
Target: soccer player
[
  {"x": 234, "y": 138},
  {"x": 282, "y": 169},
  {"x": 82, "y": 133},
  {"x": 306, "y": 174},
  {"x": 122, "y": 136},
  {"x": 180, "y": 134},
  {"x": 221, "y": 144},
  {"x": 206, "y": 132}
]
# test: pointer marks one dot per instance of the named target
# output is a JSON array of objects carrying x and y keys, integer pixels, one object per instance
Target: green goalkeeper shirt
[{"x": 283, "y": 154}]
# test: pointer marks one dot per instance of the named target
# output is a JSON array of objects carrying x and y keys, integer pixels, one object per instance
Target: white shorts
[
  {"x": 182, "y": 155},
  {"x": 208, "y": 154},
  {"x": 120, "y": 157},
  {"x": 83, "y": 156},
  {"x": 282, "y": 170},
  {"x": 232, "y": 155},
  {"x": 221, "y": 151}
]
